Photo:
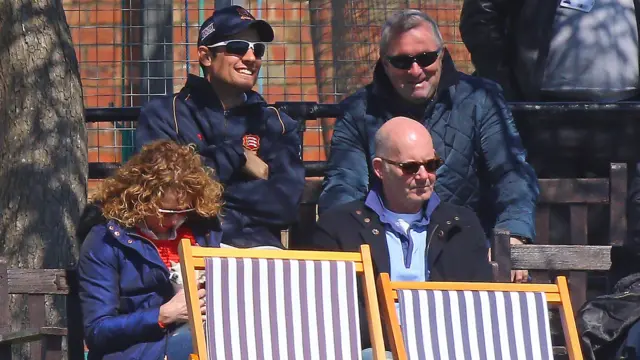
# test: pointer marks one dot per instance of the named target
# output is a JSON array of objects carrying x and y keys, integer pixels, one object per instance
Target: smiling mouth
[{"x": 245, "y": 72}]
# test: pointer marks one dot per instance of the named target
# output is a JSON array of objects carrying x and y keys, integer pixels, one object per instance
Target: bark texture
[{"x": 43, "y": 140}]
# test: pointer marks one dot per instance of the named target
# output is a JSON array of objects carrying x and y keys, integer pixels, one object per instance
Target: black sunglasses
[
  {"x": 240, "y": 47},
  {"x": 404, "y": 62},
  {"x": 412, "y": 167}
]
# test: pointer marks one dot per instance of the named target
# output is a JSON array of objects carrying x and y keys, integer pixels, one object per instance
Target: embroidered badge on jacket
[{"x": 251, "y": 142}]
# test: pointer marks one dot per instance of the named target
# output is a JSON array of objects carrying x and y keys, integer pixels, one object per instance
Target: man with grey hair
[{"x": 472, "y": 128}]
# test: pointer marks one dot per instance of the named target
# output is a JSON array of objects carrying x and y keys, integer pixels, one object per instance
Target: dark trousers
[{"x": 179, "y": 344}]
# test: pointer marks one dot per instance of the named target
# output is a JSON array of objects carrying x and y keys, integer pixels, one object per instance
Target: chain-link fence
[{"x": 131, "y": 51}]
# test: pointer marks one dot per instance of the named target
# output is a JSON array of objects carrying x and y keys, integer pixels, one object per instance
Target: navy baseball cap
[{"x": 230, "y": 21}]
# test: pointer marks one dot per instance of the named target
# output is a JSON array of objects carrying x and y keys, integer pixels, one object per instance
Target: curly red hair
[{"x": 137, "y": 188}]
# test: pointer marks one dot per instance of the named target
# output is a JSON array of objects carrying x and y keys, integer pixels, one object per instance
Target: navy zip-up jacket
[
  {"x": 122, "y": 284},
  {"x": 255, "y": 210}
]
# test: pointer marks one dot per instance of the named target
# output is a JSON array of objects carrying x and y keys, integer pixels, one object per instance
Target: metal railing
[{"x": 603, "y": 132}]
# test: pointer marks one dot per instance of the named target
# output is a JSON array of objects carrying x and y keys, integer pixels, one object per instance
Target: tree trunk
[{"x": 43, "y": 140}]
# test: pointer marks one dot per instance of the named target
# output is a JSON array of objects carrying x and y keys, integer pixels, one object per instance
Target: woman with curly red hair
[{"x": 130, "y": 307}]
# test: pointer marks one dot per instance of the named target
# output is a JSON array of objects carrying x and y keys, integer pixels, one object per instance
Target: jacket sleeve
[
  {"x": 483, "y": 29},
  {"x": 514, "y": 184},
  {"x": 278, "y": 205},
  {"x": 105, "y": 329},
  {"x": 347, "y": 174},
  {"x": 156, "y": 122}
]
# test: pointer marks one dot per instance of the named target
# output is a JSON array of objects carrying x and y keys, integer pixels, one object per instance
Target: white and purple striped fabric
[
  {"x": 478, "y": 325},
  {"x": 281, "y": 309}
]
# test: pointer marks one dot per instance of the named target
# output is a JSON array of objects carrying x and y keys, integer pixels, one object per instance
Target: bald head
[
  {"x": 399, "y": 143},
  {"x": 399, "y": 135}
]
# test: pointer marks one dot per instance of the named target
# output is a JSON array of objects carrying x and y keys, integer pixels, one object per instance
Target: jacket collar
[
  {"x": 372, "y": 233},
  {"x": 130, "y": 239},
  {"x": 199, "y": 89},
  {"x": 124, "y": 237},
  {"x": 444, "y": 221},
  {"x": 383, "y": 88},
  {"x": 374, "y": 202}
]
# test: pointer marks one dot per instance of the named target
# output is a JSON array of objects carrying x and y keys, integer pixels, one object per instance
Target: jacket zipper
[
  {"x": 166, "y": 336},
  {"x": 429, "y": 245}
]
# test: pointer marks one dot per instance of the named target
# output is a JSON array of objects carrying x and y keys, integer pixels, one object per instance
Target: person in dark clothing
[
  {"x": 413, "y": 236},
  {"x": 254, "y": 149},
  {"x": 569, "y": 50},
  {"x": 560, "y": 51},
  {"x": 485, "y": 166},
  {"x": 609, "y": 325},
  {"x": 130, "y": 307}
]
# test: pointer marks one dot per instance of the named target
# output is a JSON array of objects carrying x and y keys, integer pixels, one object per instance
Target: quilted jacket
[
  {"x": 122, "y": 284},
  {"x": 473, "y": 131}
]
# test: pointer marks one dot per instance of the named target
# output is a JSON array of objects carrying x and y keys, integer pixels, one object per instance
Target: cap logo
[
  {"x": 207, "y": 31},
  {"x": 245, "y": 15},
  {"x": 251, "y": 142}
]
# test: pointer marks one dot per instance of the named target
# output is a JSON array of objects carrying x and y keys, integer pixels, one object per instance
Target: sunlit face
[
  {"x": 405, "y": 191},
  {"x": 416, "y": 84},
  {"x": 238, "y": 72},
  {"x": 167, "y": 221}
]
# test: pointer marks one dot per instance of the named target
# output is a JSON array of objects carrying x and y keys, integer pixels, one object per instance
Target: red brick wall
[{"x": 108, "y": 47}]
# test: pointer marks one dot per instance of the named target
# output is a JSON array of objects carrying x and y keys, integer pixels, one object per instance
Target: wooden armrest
[{"x": 22, "y": 336}]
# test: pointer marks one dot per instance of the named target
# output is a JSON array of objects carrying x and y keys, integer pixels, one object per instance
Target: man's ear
[
  {"x": 204, "y": 56},
  {"x": 378, "y": 167},
  {"x": 385, "y": 66}
]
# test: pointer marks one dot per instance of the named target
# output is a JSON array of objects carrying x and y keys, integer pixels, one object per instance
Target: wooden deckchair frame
[
  {"x": 557, "y": 295},
  {"x": 193, "y": 258}
]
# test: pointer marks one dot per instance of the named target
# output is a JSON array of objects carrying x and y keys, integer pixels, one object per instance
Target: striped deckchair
[
  {"x": 433, "y": 320},
  {"x": 266, "y": 304}
]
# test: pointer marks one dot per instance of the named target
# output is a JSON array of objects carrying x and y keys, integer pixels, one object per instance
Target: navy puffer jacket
[{"x": 122, "y": 284}]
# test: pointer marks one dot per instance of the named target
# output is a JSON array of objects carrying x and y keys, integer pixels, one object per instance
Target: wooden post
[
  {"x": 618, "y": 203},
  {"x": 5, "y": 318},
  {"x": 501, "y": 255}
]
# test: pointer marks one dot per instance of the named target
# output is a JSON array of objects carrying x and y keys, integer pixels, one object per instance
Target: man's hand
[
  {"x": 518, "y": 276},
  {"x": 175, "y": 310},
  {"x": 255, "y": 166}
]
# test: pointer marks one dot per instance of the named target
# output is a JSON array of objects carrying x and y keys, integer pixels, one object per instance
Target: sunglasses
[
  {"x": 171, "y": 212},
  {"x": 412, "y": 167},
  {"x": 404, "y": 62},
  {"x": 240, "y": 47}
]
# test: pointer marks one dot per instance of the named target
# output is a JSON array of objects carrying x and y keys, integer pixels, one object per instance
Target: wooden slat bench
[
  {"x": 45, "y": 341},
  {"x": 578, "y": 195}
]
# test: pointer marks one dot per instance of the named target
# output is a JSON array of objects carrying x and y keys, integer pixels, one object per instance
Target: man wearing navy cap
[{"x": 254, "y": 149}]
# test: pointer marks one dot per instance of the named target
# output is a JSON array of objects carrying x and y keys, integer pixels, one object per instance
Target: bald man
[{"x": 412, "y": 234}]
